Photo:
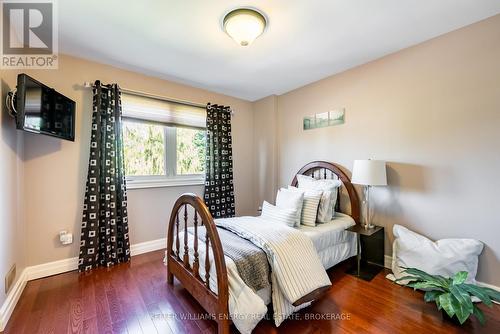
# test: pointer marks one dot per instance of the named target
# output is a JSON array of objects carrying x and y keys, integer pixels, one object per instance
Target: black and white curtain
[
  {"x": 219, "y": 189},
  {"x": 104, "y": 236}
]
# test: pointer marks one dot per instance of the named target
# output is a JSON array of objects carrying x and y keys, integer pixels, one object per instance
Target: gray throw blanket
[{"x": 250, "y": 260}]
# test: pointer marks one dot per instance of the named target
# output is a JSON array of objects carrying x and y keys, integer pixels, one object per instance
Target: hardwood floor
[{"x": 135, "y": 298}]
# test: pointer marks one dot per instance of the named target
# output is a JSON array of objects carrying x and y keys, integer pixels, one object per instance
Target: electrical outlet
[
  {"x": 9, "y": 278},
  {"x": 65, "y": 238}
]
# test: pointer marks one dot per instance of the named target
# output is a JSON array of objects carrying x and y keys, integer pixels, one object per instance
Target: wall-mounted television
[{"x": 40, "y": 109}]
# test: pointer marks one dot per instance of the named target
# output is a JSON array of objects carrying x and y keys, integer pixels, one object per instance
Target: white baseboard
[
  {"x": 388, "y": 261},
  {"x": 148, "y": 246},
  {"x": 12, "y": 299},
  {"x": 62, "y": 266},
  {"x": 59, "y": 267},
  {"x": 51, "y": 268}
]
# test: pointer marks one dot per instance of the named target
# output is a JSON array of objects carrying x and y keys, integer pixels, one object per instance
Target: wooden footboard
[{"x": 186, "y": 270}]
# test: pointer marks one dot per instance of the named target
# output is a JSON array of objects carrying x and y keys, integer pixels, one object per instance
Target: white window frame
[{"x": 171, "y": 178}]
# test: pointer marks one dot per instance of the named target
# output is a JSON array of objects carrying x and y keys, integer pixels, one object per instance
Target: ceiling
[{"x": 306, "y": 40}]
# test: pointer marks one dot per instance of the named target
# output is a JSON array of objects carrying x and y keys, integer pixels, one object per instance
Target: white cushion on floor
[{"x": 444, "y": 257}]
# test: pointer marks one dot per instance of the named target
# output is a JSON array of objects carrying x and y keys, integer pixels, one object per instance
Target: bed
[
  {"x": 332, "y": 242},
  {"x": 195, "y": 256}
]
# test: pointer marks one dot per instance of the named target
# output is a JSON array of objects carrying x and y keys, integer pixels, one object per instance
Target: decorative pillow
[
  {"x": 444, "y": 257},
  {"x": 330, "y": 188},
  {"x": 310, "y": 205},
  {"x": 278, "y": 215},
  {"x": 291, "y": 199}
]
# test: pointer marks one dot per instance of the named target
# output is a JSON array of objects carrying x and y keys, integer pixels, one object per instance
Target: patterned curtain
[
  {"x": 104, "y": 237},
  {"x": 219, "y": 190}
]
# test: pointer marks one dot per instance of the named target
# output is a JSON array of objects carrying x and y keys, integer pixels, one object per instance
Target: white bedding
[
  {"x": 247, "y": 307},
  {"x": 333, "y": 243},
  {"x": 296, "y": 269},
  {"x": 327, "y": 235}
]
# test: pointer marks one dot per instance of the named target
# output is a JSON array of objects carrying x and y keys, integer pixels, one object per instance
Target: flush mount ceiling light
[{"x": 244, "y": 25}]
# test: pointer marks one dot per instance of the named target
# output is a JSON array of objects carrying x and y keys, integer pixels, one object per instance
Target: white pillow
[
  {"x": 278, "y": 215},
  {"x": 330, "y": 188},
  {"x": 444, "y": 257},
  {"x": 290, "y": 199},
  {"x": 310, "y": 205}
]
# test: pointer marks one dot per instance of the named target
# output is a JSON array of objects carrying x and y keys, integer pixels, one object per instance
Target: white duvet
[{"x": 296, "y": 269}]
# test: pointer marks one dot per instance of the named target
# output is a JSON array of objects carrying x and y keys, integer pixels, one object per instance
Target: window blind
[{"x": 162, "y": 111}]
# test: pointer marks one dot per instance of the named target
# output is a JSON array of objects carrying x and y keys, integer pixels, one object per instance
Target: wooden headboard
[{"x": 328, "y": 170}]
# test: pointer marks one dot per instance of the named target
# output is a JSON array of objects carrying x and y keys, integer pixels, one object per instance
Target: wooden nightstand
[{"x": 370, "y": 257}]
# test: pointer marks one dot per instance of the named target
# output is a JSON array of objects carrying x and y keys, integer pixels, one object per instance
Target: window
[
  {"x": 164, "y": 142},
  {"x": 190, "y": 151},
  {"x": 144, "y": 147}
]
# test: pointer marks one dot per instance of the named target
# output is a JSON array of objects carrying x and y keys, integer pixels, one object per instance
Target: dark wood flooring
[{"x": 135, "y": 298}]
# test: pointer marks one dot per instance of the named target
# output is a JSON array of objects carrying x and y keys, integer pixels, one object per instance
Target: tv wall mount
[{"x": 10, "y": 102}]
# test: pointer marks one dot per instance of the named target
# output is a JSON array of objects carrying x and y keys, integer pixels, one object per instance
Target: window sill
[{"x": 161, "y": 183}]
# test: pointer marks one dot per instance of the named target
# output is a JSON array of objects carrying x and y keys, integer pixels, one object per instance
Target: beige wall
[
  {"x": 55, "y": 170},
  {"x": 12, "y": 243},
  {"x": 433, "y": 112},
  {"x": 265, "y": 146}
]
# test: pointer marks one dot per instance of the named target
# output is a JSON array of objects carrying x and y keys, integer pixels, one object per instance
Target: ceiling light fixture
[{"x": 244, "y": 25}]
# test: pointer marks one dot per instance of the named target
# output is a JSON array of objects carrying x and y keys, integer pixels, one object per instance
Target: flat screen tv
[{"x": 40, "y": 109}]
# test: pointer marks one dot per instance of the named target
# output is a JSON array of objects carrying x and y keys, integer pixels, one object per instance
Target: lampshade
[
  {"x": 369, "y": 173},
  {"x": 244, "y": 25}
]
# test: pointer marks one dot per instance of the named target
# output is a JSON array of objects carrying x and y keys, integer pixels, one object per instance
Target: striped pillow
[
  {"x": 278, "y": 215},
  {"x": 310, "y": 206}
]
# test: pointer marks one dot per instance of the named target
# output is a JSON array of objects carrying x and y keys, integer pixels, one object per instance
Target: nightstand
[{"x": 370, "y": 255}]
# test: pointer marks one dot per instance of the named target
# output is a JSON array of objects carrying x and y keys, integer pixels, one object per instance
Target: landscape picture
[{"x": 324, "y": 119}]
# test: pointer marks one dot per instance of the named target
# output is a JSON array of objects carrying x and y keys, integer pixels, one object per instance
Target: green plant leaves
[
  {"x": 478, "y": 292},
  {"x": 438, "y": 280},
  {"x": 461, "y": 303},
  {"x": 431, "y": 296},
  {"x": 479, "y": 315},
  {"x": 459, "y": 277},
  {"x": 452, "y": 295},
  {"x": 445, "y": 304},
  {"x": 494, "y": 295},
  {"x": 425, "y": 285}
]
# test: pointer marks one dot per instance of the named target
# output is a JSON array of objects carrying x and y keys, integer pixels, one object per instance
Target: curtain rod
[{"x": 87, "y": 84}]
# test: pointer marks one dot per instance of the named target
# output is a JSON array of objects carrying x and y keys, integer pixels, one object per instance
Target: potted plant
[{"x": 452, "y": 295}]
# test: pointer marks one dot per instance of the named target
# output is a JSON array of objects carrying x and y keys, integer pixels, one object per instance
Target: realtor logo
[{"x": 29, "y": 34}]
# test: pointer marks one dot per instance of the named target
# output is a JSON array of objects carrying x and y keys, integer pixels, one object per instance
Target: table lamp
[{"x": 369, "y": 173}]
